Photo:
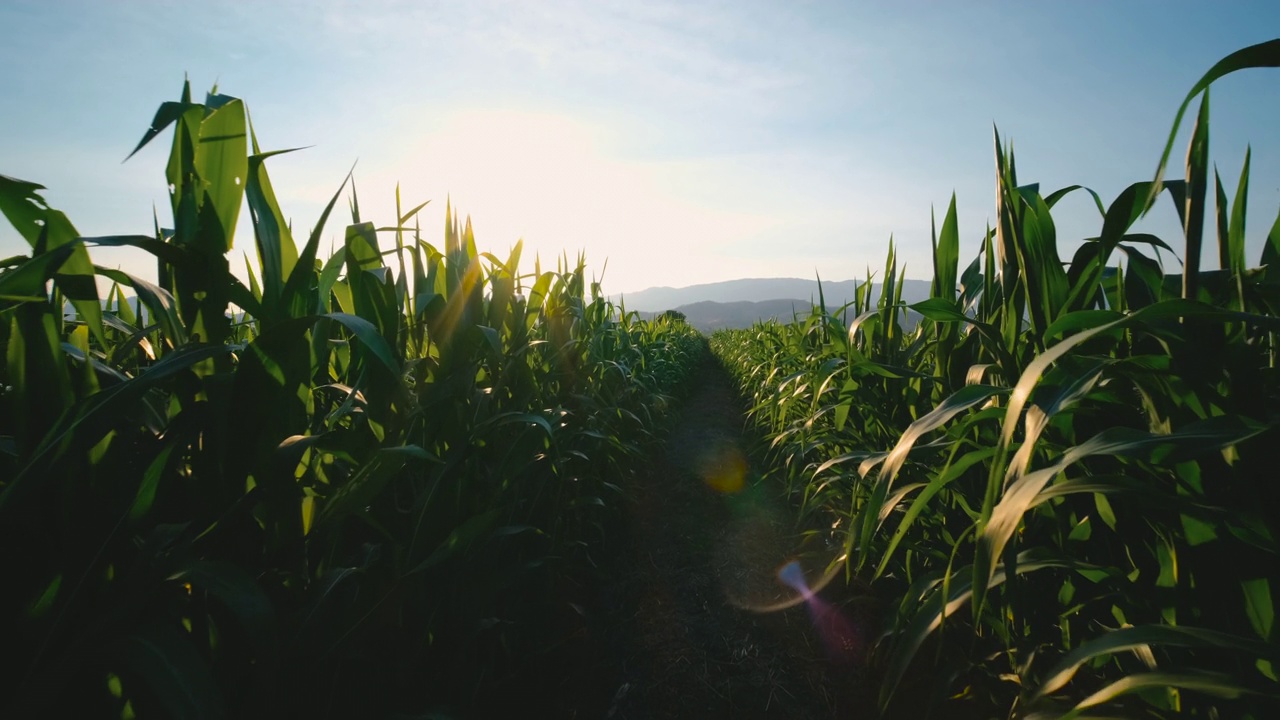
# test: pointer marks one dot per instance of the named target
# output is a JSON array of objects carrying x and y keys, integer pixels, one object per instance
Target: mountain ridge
[
  {"x": 835, "y": 293},
  {"x": 740, "y": 303}
]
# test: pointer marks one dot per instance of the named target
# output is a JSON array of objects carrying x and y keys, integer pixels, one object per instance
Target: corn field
[
  {"x": 1062, "y": 480},
  {"x": 353, "y": 486},
  {"x": 377, "y": 483}
]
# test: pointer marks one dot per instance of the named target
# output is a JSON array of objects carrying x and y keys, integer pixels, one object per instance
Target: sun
[{"x": 563, "y": 184}]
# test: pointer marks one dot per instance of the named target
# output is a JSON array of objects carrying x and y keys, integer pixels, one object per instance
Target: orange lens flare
[{"x": 723, "y": 469}]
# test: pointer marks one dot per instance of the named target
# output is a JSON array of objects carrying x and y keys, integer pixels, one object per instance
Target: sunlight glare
[{"x": 559, "y": 184}]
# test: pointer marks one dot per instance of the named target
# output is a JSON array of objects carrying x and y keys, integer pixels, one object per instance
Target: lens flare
[
  {"x": 841, "y": 639},
  {"x": 723, "y": 468},
  {"x": 791, "y": 574}
]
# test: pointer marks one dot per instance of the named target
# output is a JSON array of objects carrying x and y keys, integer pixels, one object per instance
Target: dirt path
[{"x": 706, "y": 542}]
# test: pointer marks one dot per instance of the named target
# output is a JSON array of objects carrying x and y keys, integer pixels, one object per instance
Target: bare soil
[{"x": 679, "y": 625}]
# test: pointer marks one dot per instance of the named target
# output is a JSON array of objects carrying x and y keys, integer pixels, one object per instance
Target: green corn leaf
[
  {"x": 222, "y": 164},
  {"x": 1262, "y": 55},
  {"x": 944, "y": 601},
  {"x": 372, "y": 288},
  {"x": 1209, "y": 683},
  {"x": 1130, "y": 638},
  {"x": 277, "y": 254},
  {"x": 296, "y": 295},
  {"x": 368, "y": 483},
  {"x": 136, "y": 338},
  {"x": 1143, "y": 281},
  {"x": 123, "y": 309},
  {"x": 173, "y": 255},
  {"x": 1049, "y": 402},
  {"x": 406, "y": 217},
  {"x": 1090, "y": 261},
  {"x": 145, "y": 498},
  {"x": 939, "y": 482},
  {"x": 37, "y": 370},
  {"x": 462, "y": 538},
  {"x": 237, "y": 590},
  {"x": 1260, "y": 607},
  {"x": 1233, "y": 253},
  {"x": 1271, "y": 247},
  {"x": 46, "y": 230},
  {"x": 1035, "y": 371},
  {"x": 158, "y": 302},
  {"x": 517, "y": 418},
  {"x": 26, "y": 283},
  {"x": 329, "y": 276},
  {"x": 314, "y": 633},
  {"x": 164, "y": 660},
  {"x": 1024, "y": 487},
  {"x": 254, "y": 287},
  {"x": 1153, "y": 313},
  {"x": 1224, "y": 242},
  {"x": 869, "y": 517},
  {"x": 1197, "y": 180},
  {"x": 1052, "y": 198},
  {"x": 1081, "y": 320},
  {"x": 23, "y": 207},
  {"x": 946, "y": 256},
  {"x": 166, "y": 115},
  {"x": 92, "y": 418}
]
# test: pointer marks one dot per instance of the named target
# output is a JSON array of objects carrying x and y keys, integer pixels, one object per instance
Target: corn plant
[
  {"x": 353, "y": 485},
  {"x": 1060, "y": 475}
]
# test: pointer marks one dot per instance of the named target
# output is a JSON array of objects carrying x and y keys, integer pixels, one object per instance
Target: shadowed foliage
[
  {"x": 1064, "y": 475},
  {"x": 353, "y": 486}
]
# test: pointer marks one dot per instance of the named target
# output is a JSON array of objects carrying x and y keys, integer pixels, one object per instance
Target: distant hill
[
  {"x": 708, "y": 316},
  {"x": 836, "y": 293}
]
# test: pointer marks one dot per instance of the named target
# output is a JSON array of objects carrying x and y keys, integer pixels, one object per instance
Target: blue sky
[{"x": 684, "y": 142}]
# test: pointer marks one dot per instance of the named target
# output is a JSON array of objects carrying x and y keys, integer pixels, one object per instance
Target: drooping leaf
[
  {"x": 1262, "y": 55},
  {"x": 165, "y": 661}
]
